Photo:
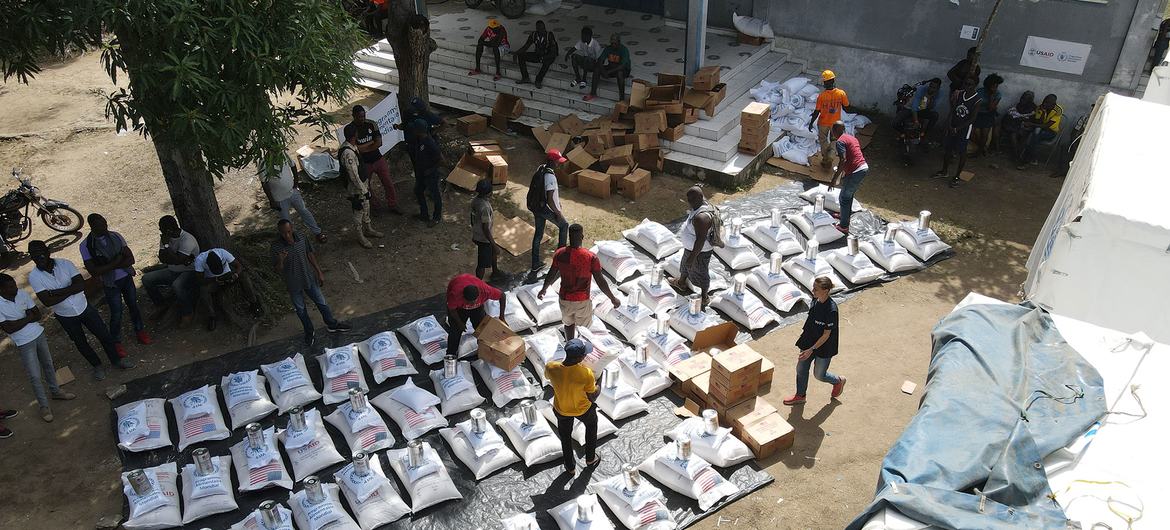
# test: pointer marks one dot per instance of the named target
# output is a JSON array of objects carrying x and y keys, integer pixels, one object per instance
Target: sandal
[
  {"x": 321, "y": 238},
  {"x": 596, "y": 460}
]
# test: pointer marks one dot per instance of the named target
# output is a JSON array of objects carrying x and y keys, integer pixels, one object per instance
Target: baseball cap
[
  {"x": 577, "y": 348},
  {"x": 554, "y": 155},
  {"x": 828, "y": 75}
]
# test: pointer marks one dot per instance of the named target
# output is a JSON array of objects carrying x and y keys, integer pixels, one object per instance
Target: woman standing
[{"x": 818, "y": 343}]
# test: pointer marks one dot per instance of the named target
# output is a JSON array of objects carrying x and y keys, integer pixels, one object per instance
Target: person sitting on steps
[
  {"x": 494, "y": 36},
  {"x": 613, "y": 63},
  {"x": 541, "y": 47},
  {"x": 584, "y": 56}
]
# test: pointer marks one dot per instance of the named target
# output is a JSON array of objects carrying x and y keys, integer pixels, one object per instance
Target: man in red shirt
[
  {"x": 852, "y": 167},
  {"x": 466, "y": 295},
  {"x": 576, "y": 267}
]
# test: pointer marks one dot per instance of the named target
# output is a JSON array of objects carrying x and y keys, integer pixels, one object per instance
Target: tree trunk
[
  {"x": 409, "y": 36},
  {"x": 192, "y": 190}
]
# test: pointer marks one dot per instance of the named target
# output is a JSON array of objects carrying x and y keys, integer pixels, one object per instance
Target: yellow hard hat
[{"x": 828, "y": 75}]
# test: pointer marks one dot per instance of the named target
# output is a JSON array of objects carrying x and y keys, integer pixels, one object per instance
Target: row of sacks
[
  {"x": 793, "y": 102},
  {"x": 153, "y": 494}
]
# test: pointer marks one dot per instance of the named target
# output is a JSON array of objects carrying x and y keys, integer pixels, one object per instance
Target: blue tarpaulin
[{"x": 1003, "y": 391}]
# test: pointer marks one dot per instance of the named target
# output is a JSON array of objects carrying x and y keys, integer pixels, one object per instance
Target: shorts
[
  {"x": 699, "y": 273},
  {"x": 576, "y": 312},
  {"x": 483, "y": 255},
  {"x": 957, "y": 141}
]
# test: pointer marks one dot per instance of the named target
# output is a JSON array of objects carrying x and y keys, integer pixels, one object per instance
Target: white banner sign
[
  {"x": 1055, "y": 55},
  {"x": 386, "y": 114}
]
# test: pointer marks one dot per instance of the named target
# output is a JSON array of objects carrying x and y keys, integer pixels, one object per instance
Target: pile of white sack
[{"x": 793, "y": 102}]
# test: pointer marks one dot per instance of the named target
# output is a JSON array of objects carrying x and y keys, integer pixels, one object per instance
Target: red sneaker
[
  {"x": 497, "y": 77},
  {"x": 121, "y": 350},
  {"x": 796, "y": 399},
  {"x": 144, "y": 337},
  {"x": 841, "y": 229},
  {"x": 839, "y": 388},
  {"x": 589, "y": 97},
  {"x": 474, "y": 72}
]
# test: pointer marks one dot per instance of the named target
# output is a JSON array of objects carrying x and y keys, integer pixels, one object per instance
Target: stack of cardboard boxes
[
  {"x": 484, "y": 159},
  {"x": 754, "y": 126}
]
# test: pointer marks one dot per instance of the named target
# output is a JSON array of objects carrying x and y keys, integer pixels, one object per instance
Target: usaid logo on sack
[
  {"x": 255, "y": 452},
  {"x": 305, "y": 502},
  {"x": 339, "y": 357},
  {"x": 426, "y": 325},
  {"x": 381, "y": 343},
  {"x": 194, "y": 401},
  {"x": 353, "y": 414},
  {"x": 286, "y": 366},
  {"x": 241, "y": 378},
  {"x": 128, "y": 425}
]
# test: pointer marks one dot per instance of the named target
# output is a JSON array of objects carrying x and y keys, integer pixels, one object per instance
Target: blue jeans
[
  {"x": 562, "y": 233},
  {"x": 38, "y": 363},
  {"x": 820, "y": 367},
  {"x": 123, "y": 291},
  {"x": 318, "y": 298},
  {"x": 849, "y": 185},
  {"x": 297, "y": 202},
  {"x": 184, "y": 287},
  {"x": 1037, "y": 136},
  {"x": 89, "y": 319}
]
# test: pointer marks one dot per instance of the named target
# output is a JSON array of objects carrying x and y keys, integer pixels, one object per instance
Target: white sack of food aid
[
  {"x": 654, "y": 238},
  {"x": 428, "y": 484},
  {"x": 198, "y": 416},
  {"x": 536, "y": 443},
  {"x": 924, "y": 244},
  {"x": 890, "y": 255},
  {"x": 857, "y": 269},
  {"x": 290, "y": 382},
  {"x": 260, "y": 467},
  {"x": 778, "y": 289},
  {"x": 720, "y": 449},
  {"x": 805, "y": 271},
  {"x": 648, "y": 378},
  {"x": 380, "y": 506},
  {"x": 693, "y": 477},
  {"x": 255, "y": 520},
  {"x": 412, "y": 408},
  {"x": 542, "y": 348},
  {"x": 567, "y": 515},
  {"x": 386, "y": 356},
  {"x": 604, "y": 426},
  {"x": 325, "y": 514},
  {"x": 363, "y": 431},
  {"x": 738, "y": 253},
  {"x": 209, "y": 494},
  {"x": 832, "y": 198},
  {"x": 516, "y": 317},
  {"x": 422, "y": 335},
  {"x": 506, "y": 385},
  {"x": 310, "y": 450},
  {"x": 158, "y": 508},
  {"x": 142, "y": 425},
  {"x": 616, "y": 259},
  {"x": 483, "y": 453},
  {"x": 457, "y": 393},
  {"x": 247, "y": 399},
  {"x": 545, "y": 310},
  {"x": 637, "y": 509},
  {"x": 341, "y": 370},
  {"x": 818, "y": 226},
  {"x": 751, "y": 26}
]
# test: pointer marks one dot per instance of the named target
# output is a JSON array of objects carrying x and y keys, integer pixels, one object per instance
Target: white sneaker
[{"x": 582, "y": 84}]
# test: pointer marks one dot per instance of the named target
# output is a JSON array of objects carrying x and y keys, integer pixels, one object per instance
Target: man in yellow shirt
[
  {"x": 574, "y": 389},
  {"x": 1043, "y": 126},
  {"x": 828, "y": 111}
]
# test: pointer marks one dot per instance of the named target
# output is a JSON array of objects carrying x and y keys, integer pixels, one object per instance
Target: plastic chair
[{"x": 1053, "y": 144}]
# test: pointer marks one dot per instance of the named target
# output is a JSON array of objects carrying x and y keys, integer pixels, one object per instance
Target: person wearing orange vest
[{"x": 828, "y": 109}]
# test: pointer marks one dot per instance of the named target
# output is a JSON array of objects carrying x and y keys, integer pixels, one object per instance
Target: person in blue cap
[
  {"x": 425, "y": 155},
  {"x": 574, "y": 389}
]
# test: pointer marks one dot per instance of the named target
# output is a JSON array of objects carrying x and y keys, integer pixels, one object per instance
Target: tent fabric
[
  {"x": 1003, "y": 391},
  {"x": 1108, "y": 233}
]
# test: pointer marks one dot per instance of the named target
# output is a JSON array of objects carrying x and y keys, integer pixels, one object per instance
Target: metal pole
[{"x": 696, "y": 37}]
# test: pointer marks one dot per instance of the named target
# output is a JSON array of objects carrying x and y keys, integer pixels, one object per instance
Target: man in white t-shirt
[
  {"x": 59, "y": 285},
  {"x": 544, "y": 201},
  {"x": 20, "y": 317},
  {"x": 176, "y": 249},
  {"x": 583, "y": 56},
  {"x": 281, "y": 190},
  {"x": 220, "y": 270}
]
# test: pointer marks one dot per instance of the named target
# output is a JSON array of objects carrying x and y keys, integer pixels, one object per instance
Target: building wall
[{"x": 718, "y": 11}]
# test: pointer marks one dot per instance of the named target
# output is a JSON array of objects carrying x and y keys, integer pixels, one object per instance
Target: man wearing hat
[
  {"x": 574, "y": 389},
  {"x": 544, "y": 201},
  {"x": 425, "y": 155},
  {"x": 494, "y": 36},
  {"x": 830, "y": 103},
  {"x": 487, "y": 256},
  {"x": 369, "y": 146}
]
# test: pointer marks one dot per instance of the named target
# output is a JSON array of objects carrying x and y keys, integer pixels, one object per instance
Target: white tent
[{"x": 1104, "y": 253}]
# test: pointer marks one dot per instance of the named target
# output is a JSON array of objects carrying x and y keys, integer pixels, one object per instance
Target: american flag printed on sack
[
  {"x": 651, "y": 512},
  {"x": 198, "y": 425},
  {"x": 414, "y": 419},
  {"x": 507, "y": 381},
  {"x": 371, "y": 435},
  {"x": 155, "y": 431},
  {"x": 344, "y": 382},
  {"x": 433, "y": 347},
  {"x": 391, "y": 363},
  {"x": 266, "y": 473},
  {"x": 707, "y": 479}
]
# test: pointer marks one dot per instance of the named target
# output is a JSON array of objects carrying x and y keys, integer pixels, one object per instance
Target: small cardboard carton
[
  {"x": 620, "y": 108},
  {"x": 650, "y": 122},
  {"x": 616, "y": 173},
  {"x": 499, "y": 345},
  {"x": 579, "y": 158},
  {"x": 622, "y": 154},
  {"x": 650, "y": 159},
  {"x": 571, "y": 125},
  {"x": 768, "y": 436},
  {"x": 507, "y": 107},
  {"x": 767, "y": 370},
  {"x": 738, "y": 366},
  {"x": 699, "y": 363},
  {"x": 482, "y": 149},
  {"x": 665, "y": 79},
  {"x": 719, "y": 93},
  {"x": 698, "y": 388},
  {"x": 706, "y": 78},
  {"x": 673, "y": 133},
  {"x": 755, "y": 113},
  {"x": 470, "y": 170},
  {"x": 499, "y": 169},
  {"x": 642, "y": 142},
  {"x": 558, "y": 141},
  {"x": 691, "y": 116},
  {"x": 747, "y": 413},
  {"x": 472, "y": 124},
  {"x": 593, "y": 183},
  {"x": 542, "y": 135},
  {"x": 664, "y": 94},
  {"x": 566, "y": 176},
  {"x": 635, "y": 185},
  {"x": 673, "y": 109},
  {"x": 719, "y": 336},
  {"x": 639, "y": 91}
]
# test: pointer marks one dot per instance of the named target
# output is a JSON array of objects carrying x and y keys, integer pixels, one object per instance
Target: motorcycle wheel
[
  {"x": 513, "y": 8},
  {"x": 473, "y": 3},
  {"x": 62, "y": 219}
]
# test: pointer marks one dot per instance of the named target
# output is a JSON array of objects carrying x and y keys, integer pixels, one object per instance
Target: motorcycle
[{"x": 15, "y": 206}]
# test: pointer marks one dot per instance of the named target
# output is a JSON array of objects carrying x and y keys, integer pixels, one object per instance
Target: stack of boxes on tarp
[
  {"x": 730, "y": 381},
  {"x": 754, "y": 126}
]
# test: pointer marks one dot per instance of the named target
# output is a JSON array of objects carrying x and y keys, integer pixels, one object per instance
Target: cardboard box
[
  {"x": 639, "y": 91},
  {"x": 593, "y": 183},
  {"x": 755, "y": 113},
  {"x": 635, "y": 185},
  {"x": 571, "y": 125},
  {"x": 698, "y": 388},
  {"x": 673, "y": 133},
  {"x": 579, "y": 158},
  {"x": 673, "y": 109},
  {"x": 747, "y": 413},
  {"x": 622, "y": 154},
  {"x": 750, "y": 40},
  {"x": 642, "y": 142},
  {"x": 619, "y": 108},
  {"x": 566, "y": 176},
  {"x": 499, "y": 169},
  {"x": 671, "y": 79},
  {"x": 752, "y": 149},
  {"x": 507, "y": 107},
  {"x": 650, "y": 159},
  {"x": 664, "y": 94},
  {"x": 719, "y": 336},
  {"x": 616, "y": 173},
  {"x": 651, "y": 121},
  {"x": 706, "y": 78},
  {"x": 737, "y": 366},
  {"x": 691, "y": 116},
  {"x": 482, "y": 149},
  {"x": 699, "y": 363},
  {"x": 767, "y": 370},
  {"x": 719, "y": 93},
  {"x": 472, "y": 124},
  {"x": 755, "y": 130},
  {"x": 470, "y": 170},
  {"x": 768, "y": 436},
  {"x": 515, "y": 235},
  {"x": 498, "y": 344}
]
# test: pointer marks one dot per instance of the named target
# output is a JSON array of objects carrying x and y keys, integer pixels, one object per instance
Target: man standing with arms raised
[{"x": 576, "y": 267}]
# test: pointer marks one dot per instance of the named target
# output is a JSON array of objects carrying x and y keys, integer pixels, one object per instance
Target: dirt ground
[{"x": 64, "y": 474}]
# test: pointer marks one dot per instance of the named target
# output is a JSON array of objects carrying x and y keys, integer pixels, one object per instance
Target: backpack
[
  {"x": 536, "y": 192},
  {"x": 361, "y": 176},
  {"x": 905, "y": 94},
  {"x": 716, "y": 232}
]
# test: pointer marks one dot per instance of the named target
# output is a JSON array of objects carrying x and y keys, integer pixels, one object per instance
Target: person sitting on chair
[
  {"x": 541, "y": 47},
  {"x": 1042, "y": 127},
  {"x": 615, "y": 63},
  {"x": 494, "y": 36},
  {"x": 1011, "y": 126}
]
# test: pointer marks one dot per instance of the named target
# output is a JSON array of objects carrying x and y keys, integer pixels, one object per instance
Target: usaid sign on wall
[{"x": 1055, "y": 55}]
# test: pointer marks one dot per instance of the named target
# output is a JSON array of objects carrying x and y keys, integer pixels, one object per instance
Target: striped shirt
[{"x": 297, "y": 274}]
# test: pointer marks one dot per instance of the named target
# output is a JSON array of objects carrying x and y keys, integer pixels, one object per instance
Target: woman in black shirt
[{"x": 818, "y": 343}]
